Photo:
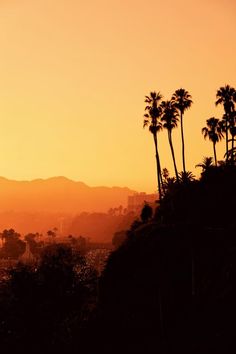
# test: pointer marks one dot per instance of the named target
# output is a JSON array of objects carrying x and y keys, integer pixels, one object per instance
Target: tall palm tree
[
  {"x": 226, "y": 95},
  {"x": 182, "y": 101},
  {"x": 152, "y": 120},
  {"x": 213, "y": 132},
  {"x": 170, "y": 120}
]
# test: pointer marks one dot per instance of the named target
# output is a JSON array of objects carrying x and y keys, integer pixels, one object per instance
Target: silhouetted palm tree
[
  {"x": 227, "y": 97},
  {"x": 170, "y": 120},
  {"x": 182, "y": 101},
  {"x": 186, "y": 177},
  {"x": 152, "y": 120},
  {"x": 206, "y": 163},
  {"x": 213, "y": 132}
]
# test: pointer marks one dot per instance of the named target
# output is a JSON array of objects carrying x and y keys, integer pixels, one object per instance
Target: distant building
[{"x": 137, "y": 201}]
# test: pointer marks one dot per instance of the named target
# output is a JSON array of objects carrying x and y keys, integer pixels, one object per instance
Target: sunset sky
[{"x": 73, "y": 76}]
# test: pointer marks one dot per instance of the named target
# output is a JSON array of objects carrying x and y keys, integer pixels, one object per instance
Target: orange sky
[{"x": 74, "y": 74}]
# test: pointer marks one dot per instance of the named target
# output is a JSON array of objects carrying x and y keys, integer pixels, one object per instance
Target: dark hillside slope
[{"x": 171, "y": 287}]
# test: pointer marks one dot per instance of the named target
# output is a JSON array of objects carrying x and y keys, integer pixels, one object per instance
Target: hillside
[{"x": 59, "y": 195}]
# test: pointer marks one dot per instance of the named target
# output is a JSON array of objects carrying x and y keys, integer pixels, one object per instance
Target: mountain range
[{"x": 59, "y": 195}]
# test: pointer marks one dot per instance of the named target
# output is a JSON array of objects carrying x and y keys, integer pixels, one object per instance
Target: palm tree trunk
[
  {"x": 173, "y": 154},
  {"x": 193, "y": 266},
  {"x": 227, "y": 138},
  {"x": 182, "y": 136},
  {"x": 232, "y": 146},
  {"x": 158, "y": 167},
  {"x": 214, "y": 148}
]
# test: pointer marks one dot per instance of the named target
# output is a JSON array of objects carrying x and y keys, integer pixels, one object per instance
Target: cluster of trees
[
  {"x": 167, "y": 114},
  {"x": 46, "y": 307},
  {"x": 117, "y": 211},
  {"x": 14, "y": 245},
  {"x": 217, "y": 129}
]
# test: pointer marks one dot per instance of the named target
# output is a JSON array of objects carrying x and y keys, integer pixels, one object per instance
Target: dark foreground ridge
[{"x": 169, "y": 288}]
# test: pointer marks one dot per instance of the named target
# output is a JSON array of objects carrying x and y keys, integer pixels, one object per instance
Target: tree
[
  {"x": 213, "y": 132},
  {"x": 51, "y": 233},
  {"x": 182, "y": 101},
  {"x": 170, "y": 119},
  {"x": 31, "y": 240},
  {"x": 152, "y": 120},
  {"x": 186, "y": 177},
  {"x": 226, "y": 95},
  {"x": 13, "y": 246},
  {"x": 146, "y": 213},
  {"x": 168, "y": 182},
  {"x": 206, "y": 163}
]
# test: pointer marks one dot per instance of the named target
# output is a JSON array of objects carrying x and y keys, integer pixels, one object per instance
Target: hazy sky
[{"x": 73, "y": 76}]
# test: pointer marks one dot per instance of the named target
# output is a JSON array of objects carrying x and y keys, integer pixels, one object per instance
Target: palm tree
[
  {"x": 206, "y": 163},
  {"x": 186, "y": 177},
  {"x": 152, "y": 120},
  {"x": 182, "y": 101},
  {"x": 226, "y": 96},
  {"x": 170, "y": 120},
  {"x": 213, "y": 132}
]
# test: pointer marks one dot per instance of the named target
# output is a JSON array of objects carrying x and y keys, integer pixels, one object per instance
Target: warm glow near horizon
[{"x": 74, "y": 75}]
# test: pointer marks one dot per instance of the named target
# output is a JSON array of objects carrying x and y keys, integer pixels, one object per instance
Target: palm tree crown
[
  {"x": 170, "y": 116},
  {"x": 206, "y": 163},
  {"x": 227, "y": 96},
  {"x": 182, "y": 100},
  {"x": 213, "y": 132},
  {"x": 154, "y": 112}
]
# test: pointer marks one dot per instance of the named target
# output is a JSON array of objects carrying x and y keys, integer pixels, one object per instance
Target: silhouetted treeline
[{"x": 44, "y": 307}]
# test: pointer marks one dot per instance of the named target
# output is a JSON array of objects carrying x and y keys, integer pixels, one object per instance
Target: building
[{"x": 137, "y": 201}]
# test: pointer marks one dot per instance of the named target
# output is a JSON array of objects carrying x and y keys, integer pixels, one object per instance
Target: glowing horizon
[{"x": 74, "y": 76}]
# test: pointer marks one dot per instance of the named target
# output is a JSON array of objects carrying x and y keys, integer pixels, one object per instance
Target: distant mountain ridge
[{"x": 59, "y": 195}]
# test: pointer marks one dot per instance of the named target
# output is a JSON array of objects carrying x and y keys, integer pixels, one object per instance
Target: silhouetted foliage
[
  {"x": 13, "y": 246},
  {"x": 213, "y": 131},
  {"x": 119, "y": 238},
  {"x": 146, "y": 213},
  {"x": 226, "y": 96},
  {"x": 48, "y": 303}
]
